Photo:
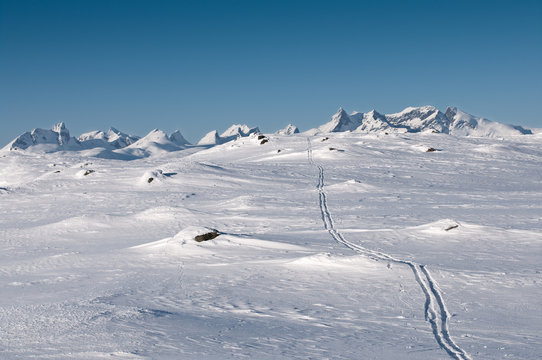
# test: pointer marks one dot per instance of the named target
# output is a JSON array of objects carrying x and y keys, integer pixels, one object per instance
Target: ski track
[{"x": 434, "y": 302}]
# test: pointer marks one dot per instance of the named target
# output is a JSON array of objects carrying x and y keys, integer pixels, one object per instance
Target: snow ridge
[{"x": 426, "y": 282}]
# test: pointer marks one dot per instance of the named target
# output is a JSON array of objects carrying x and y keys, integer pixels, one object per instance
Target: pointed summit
[
  {"x": 373, "y": 121},
  {"x": 339, "y": 122},
  {"x": 288, "y": 130},
  {"x": 63, "y": 133},
  {"x": 211, "y": 138},
  {"x": 238, "y": 130},
  {"x": 178, "y": 139}
]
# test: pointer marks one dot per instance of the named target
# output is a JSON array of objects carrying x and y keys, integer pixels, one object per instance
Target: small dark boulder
[
  {"x": 451, "y": 227},
  {"x": 324, "y": 139},
  {"x": 261, "y": 137},
  {"x": 430, "y": 149},
  {"x": 264, "y": 141},
  {"x": 88, "y": 172},
  {"x": 207, "y": 236},
  {"x": 151, "y": 179}
]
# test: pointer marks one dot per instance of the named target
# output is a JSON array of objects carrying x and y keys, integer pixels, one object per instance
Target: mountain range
[
  {"x": 411, "y": 120},
  {"x": 418, "y": 119}
]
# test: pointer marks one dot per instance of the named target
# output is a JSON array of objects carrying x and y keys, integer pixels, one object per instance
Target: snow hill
[{"x": 418, "y": 119}]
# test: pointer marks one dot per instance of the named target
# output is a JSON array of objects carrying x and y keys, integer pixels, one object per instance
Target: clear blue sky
[{"x": 198, "y": 66}]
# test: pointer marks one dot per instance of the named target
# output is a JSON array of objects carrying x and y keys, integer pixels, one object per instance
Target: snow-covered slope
[
  {"x": 418, "y": 119},
  {"x": 362, "y": 246},
  {"x": 465, "y": 124},
  {"x": 156, "y": 141}
]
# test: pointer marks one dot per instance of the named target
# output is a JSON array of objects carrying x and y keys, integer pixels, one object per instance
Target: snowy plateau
[{"x": 415, "y": 235}]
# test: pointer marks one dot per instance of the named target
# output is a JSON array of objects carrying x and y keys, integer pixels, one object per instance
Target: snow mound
[
  {"x": 351, "y": 186},
  {"x": 439, "y": 227},
  {"x": 83, "y": 173},
  {"x": 423, "y": 148},
  {"x": 152, "y": 177},
  {"x": 325, "y": 261},
  {"x": 189, "y": 233}
]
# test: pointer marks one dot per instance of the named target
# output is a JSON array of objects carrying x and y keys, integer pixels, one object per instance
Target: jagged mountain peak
[
  {"x": 288, "y": 130},
  {"x": 236, "y": 129},
  {"x": 211, "y": 138},
  {"x": 177, "y": 138},
  {"x": 49, "y": 140},
  {"x": 340, "y": 121},
  {"x": 59, "y": 127},
  {"x": 233, "y": 132}
]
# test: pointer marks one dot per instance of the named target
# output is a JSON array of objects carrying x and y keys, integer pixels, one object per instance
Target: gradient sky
[{"x": 198, "y": 66}]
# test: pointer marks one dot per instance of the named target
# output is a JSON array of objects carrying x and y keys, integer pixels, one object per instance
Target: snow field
[{"x": 101, "y": 265}]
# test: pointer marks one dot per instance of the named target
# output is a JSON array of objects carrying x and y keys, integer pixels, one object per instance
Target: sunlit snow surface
[{"x": 103, "y": 265}]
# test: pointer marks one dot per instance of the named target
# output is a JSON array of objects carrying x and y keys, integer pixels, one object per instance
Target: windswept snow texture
[{"x": 343, "y": 246}]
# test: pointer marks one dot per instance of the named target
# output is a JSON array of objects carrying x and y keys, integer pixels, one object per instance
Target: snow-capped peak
[
  {"x": 55, "y": 139},
  {"x": 177, "y": 138},
  {"x": 211, "y": 138},
  {"x": 63, "y": 133},
  {"x": 288, "y": 130},
  {"x": 340, "y": 121},
  {"x": 232, "y": 133}
]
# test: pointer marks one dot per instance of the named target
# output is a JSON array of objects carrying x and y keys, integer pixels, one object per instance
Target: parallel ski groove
[{"x": 427, "y": 283}]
